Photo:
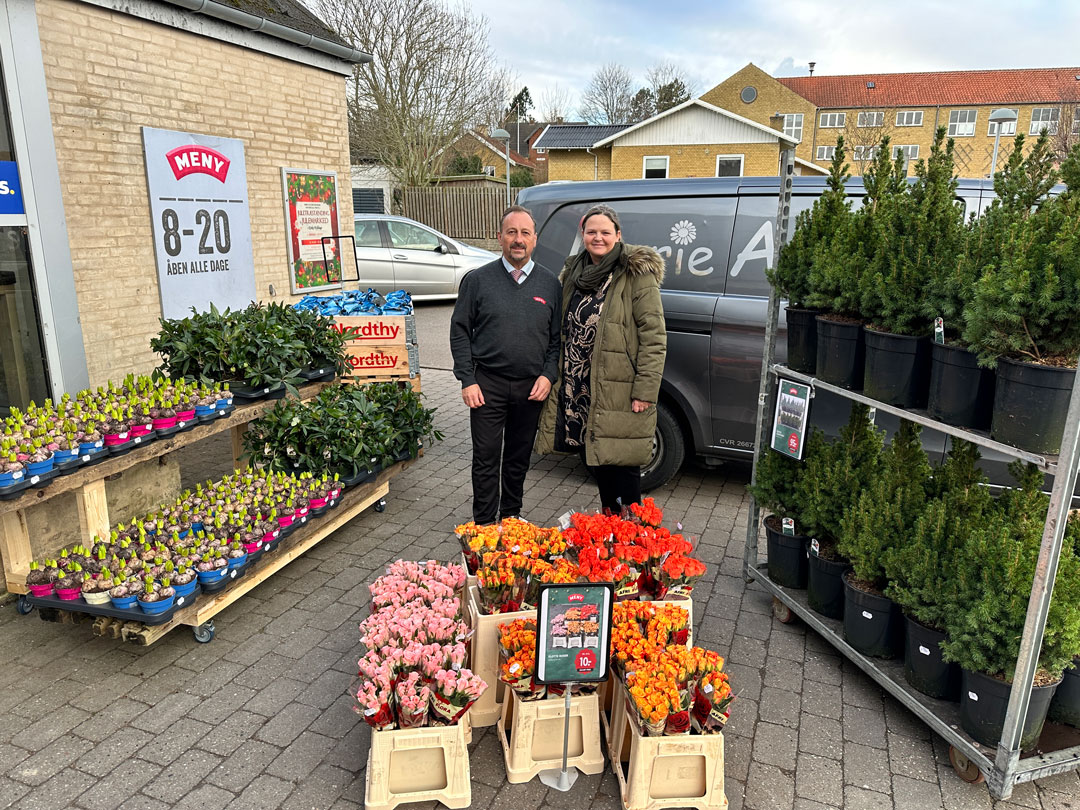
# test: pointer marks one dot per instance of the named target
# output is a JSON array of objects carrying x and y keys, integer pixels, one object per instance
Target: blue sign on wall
[{"x": 11, "y": 201}]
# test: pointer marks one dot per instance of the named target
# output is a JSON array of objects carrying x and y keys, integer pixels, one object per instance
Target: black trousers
[
  {"x": 503, "y": 428},
  {"x": 619, "y": 486}
]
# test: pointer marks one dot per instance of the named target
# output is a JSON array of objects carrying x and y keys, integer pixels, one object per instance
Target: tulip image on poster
[{"x": 311, "y": 211}]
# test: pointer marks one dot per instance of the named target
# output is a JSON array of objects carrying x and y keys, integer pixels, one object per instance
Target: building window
[
  {"x": 654, "y": 168},
  {"x": 909, "y": 118},
  {"x": 1045, "y": 118},
  {"x": 748, "y": 95},
  {"x": 864, "y": 153},
  {"x": 729, "y": 165},
  {"x": 871, "y": 119},
  {"x": 489, "y": 171},
  {"x": 832, "y": 120},
  {"x": 793, "y": 125},
  {"x": 825, "y": 153},
  {"x": 540, "y": 151},
  {"x": 1007, "y": 128},
  {"x": 1076, "y": 122},
  {"x": 910, "y": 152},
  {"x": 962, "y": 123}
]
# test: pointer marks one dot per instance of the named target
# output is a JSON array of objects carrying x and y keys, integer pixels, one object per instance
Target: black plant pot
[
  {"x": 1065, "y": 707},
  {"x": 873, "y": 624},
  {"x": 1030, "y": 404},
  {"x": 961, "y": 391},
  {"x": 840, "y": 353},
  {"x": 984, "y": 701},
  {"x": 802, "y": 339},
  {"x": 825, "y": 585},
  {"x": 897, "y": 369},
  {"x": 924, "y": 668},
  {"x": 787, "y": 555}
]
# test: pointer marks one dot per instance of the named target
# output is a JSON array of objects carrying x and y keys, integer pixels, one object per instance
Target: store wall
[
  {"x": 695, "y": 160},
  {"x": 109, "y": 74},
  {"x": 577, "y": 164}
]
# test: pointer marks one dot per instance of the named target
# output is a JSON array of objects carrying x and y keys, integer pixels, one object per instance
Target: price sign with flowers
[
  {"x": 789, "y": 421},
  {"x": 311, "y": 213},
  {"x": 573, "y": 632}
]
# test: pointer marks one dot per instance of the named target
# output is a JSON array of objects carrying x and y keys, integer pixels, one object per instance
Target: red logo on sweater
[{"x": 541, "y": 300}]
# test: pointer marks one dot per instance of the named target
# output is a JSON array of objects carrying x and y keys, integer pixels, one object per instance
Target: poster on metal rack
[
  {"x": 573, "y": 627},
  {"x": 790, "y": 420},
  {"x": 311, "y": 212}
]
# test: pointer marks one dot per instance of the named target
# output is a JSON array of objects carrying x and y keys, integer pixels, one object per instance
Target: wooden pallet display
[
  {"x": 412, "y": 382},
  {"x": 88, "y": 484},
  {"x": 484, "y": 658},
  {"x": 418, "y": 765},
  {"x": 531, "y": 733},
  {"x": 655, "y": 773}
]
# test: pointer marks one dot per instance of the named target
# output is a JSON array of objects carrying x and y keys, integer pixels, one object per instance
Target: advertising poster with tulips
[
  {"x": 311, "y": 211},
  {"x": 575, "y": 632}
]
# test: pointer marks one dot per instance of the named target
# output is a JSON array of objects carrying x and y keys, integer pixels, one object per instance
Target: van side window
[{"x": 752, "y": 246}]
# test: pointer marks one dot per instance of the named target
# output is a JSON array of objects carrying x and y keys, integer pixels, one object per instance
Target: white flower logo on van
[{"x": 683, "y": 233}]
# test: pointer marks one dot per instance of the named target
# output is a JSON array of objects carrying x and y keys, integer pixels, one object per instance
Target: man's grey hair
[{"x": 516, "y": 209}]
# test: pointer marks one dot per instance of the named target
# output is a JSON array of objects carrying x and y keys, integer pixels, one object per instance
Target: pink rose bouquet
[
  {"x": 413, "y": 697},
  {"x": 453, "y": 693}
]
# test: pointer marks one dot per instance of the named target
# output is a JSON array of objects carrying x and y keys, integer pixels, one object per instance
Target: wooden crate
[
  {"x": 655, "y": 773},
  {"x": 531, "y": 733},
  {"x": 428, "y": 764},
  {"x": 411, "y": 381},
  {"x": 484, "y": 659},
  {"x": 386, "y": 330},
  {"x": 382, "y": 360}
]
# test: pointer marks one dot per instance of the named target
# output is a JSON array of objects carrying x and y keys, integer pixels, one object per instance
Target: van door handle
[{"x": 401, "y": 256}]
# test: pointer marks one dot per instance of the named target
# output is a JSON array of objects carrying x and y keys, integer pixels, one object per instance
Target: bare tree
[
  {"x": 607, "y": 96},
  {"x": 555, "y": 105},
  {"x": 863, "y": 131},
  {"x": 1068, "y": 131},
  {"x": 433, "y": 76},
  {"x": 670, "y": 85}
]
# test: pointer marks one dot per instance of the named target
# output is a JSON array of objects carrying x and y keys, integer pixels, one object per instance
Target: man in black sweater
[{"x": 504, "y": 336}]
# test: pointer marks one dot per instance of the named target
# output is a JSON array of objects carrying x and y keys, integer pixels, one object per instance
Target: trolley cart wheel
[
  {"x": 204, "y": 633},
  {"x": 965, "y": 768},
  {"x": 23, "y": 607},
  {"x": 781, "y": 611},
  {"x": 381, "y": 505}
]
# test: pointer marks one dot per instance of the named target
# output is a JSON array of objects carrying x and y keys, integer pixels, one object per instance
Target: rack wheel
[
  {"x": 965, "y": 768},
  {"x": 782, "y": 612},
  {"x": 381, "y": 505},
  {"x": 22, "y": 607},
  {"x": 204, "y": 633}
]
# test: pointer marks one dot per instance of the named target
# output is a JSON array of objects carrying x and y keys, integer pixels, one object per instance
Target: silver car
[{"x": 395, "y": 253}]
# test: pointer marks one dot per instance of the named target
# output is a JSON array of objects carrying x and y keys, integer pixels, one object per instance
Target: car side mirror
[{"x": 440, "y": 248}]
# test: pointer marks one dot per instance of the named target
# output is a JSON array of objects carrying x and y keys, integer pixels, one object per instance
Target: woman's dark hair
[{"x": 607, "y": 211}]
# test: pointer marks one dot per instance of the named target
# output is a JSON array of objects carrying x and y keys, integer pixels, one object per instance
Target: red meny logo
[
  {"x": 576, "y": 597},
  {"x": 195, "y": 159}
]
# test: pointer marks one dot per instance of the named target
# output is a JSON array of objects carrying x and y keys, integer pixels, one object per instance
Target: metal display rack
[{"x": 1004, "y": 768}]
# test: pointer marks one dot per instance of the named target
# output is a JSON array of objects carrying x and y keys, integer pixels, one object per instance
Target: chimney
[
  {"x": 776, "y": 121},
  {"x": 812, "y": 64}
]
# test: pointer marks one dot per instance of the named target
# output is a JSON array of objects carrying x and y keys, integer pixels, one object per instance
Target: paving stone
[
  {"x": 59, "y": 791},
  {"x": 857, "y": 798},
  {"x": 238, "y": 769},
  {"x": 820, "y": 779},
  {"x": 287, "y": 724},
  {"x": 38, "y": 768},
  {"x": 174, "y": 741},
  {"x": 320, "y": 789},
  {"x": 783, "y": 673},
  {"x": 209, "y": 797},
  {"x": 264, "y": 793},
  {"x": 109, "y": 719},
  {"x": 912, "y": 758},
  {"x": 775, "y": 745},
  {"x": 274, "y": 696},
  {"x": 120, "y": 785},
  {"x": 866, "y": 767},
  {"x": 769, "y": 788},
  {"x": 915, "y": 794},
  {"x": 821, "y": 736},
  {"x": 114, "y": 749},
  {"x": 11, "y": 792},
  {"x": 325, "y": 689},
  {"x": 232, "y": 732},
  {"x": 780, "y": 706},
  {"x": 864, "y": 726},
  {"x": 301, "y": 757},
  {"x": 181, "y": 777},
  {"x": 822, "y": 699},
  {"x": 166, "y": 712}
]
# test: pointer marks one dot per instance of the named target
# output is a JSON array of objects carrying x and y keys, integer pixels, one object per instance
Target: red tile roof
[
  {"x": 946, "y": 88},
  {"x": 500, "y": 149}
]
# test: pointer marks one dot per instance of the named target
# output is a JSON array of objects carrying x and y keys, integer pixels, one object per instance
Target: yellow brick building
[
  {"x": 694, "y": 139},
  {"x": 908, "y": 108},
  {"x": 90, "y": 76}
]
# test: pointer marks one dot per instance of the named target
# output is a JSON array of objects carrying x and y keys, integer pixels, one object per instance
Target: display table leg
[
  {"x": 93, "y": 511},
  {"x": 15, "y": 550}
]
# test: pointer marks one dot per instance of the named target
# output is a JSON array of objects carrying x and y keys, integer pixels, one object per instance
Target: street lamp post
[
  {"x": 504, "y": 136},
  {"x": 1001, "y": 118}
]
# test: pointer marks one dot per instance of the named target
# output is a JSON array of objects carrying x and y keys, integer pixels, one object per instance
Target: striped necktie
[{"x": 516, "y": 274}]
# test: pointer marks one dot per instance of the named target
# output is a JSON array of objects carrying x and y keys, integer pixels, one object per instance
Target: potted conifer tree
[
  {"x": 920, "y": 229},
  {"x": 1025, "y": 311},
  {"x": 828, "y": 488},
  {"x": 882, "y": 519},
  {"x": 791, "y": 277},
  {"x": 775, "y": 489}
]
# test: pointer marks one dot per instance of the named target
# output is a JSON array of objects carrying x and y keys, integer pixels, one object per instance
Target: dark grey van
[{"x": 716, "y": 235}]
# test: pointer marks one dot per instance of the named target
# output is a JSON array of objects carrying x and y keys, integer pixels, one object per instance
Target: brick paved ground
[{"x": 259, "y": 717}]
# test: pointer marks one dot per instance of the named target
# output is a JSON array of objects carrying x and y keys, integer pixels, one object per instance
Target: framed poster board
[
  {"x": 311, "y": 212},
  {"x": 790, "y": 419},
  {"x": 573, "y": 632},
  {"x": 200, "y": 221}
]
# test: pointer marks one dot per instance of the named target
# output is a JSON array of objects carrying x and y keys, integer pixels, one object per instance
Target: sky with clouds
[{"x": 562, "y": 42}]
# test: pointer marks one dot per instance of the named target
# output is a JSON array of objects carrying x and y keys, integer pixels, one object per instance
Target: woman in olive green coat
[{"x": 614, "y": 344}]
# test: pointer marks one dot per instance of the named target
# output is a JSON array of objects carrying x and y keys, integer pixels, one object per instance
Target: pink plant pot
[
  {"x": 270, "y": 537},
  {"x": 251, "y": 548},
  {"x": 286, "y": 520},
  {"x": 165, "y": 424},
  {"x": 140, "y": 430},
  {"x": 114, "y": 439},
  {"x": 302, "y": 511},
  {"x": 318, "y": 503},
  {"x": 41, "y": 590},
  {"x": 69, "y": 594},
  {"x": 185, "y": 416}
]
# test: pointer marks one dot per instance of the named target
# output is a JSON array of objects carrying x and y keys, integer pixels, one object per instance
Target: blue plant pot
[
  {"x": 91, "y": 447},
  {"x": 183, "y": 534},
  {"x": 204, "y": 410},
  {"x": 186, "y": 590},
  {"x": 223, "y": 404},
  {"x": 196, "y": 527},
  {"x": 210, "y": 577},
  {"x": 9, "y": 478},
  {"x": 124, "y": 602},
  {"x": 39, "y": 467},
  {"x": 157, "y": 607},
  {"x": 237, "y": 562}
]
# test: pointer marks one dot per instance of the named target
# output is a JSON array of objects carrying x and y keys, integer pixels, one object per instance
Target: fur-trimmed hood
[{"x": 636, "y": 260}]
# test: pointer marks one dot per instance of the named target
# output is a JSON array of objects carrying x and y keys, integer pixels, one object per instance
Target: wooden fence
[{"x": 461, "y": 213}]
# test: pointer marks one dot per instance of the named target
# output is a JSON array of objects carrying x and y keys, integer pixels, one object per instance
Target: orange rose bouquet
[
  {"x": 711, "y": 700},
  {"x": 517, "y": 646},
  {"x": 647, "y": 513}
]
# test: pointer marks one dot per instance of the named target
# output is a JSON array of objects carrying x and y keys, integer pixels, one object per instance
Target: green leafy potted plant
[
  {"x": 791, "y": 276},
  {"x": 1025, "y": 312},
  {"x": 882, "y": 518},
  {"x": 828, "y": 489},
  {"x": 775, "y": 489},
  {"x": 920, "y": 230},
  {"x": 994, "y": 571}
]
